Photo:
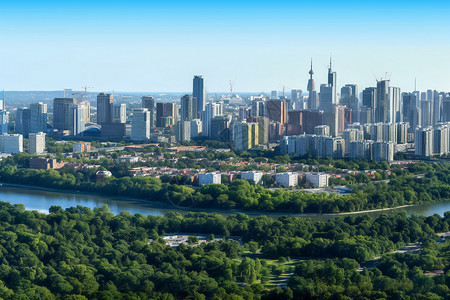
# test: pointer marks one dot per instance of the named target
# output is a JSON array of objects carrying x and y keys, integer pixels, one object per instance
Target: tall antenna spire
[
  {"x": 311, "y": 72},
  {"x": 415, "y": 84},
  {"x": 330, "y": 61},
  {"x": 4, "y": 100}
]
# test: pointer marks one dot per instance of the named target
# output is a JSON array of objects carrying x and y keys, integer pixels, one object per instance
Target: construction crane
[
  {"x": 231, "y": 88},
  {"x": 85, "y": 88}
]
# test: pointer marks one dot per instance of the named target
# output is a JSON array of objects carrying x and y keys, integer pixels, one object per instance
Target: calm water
[{"x": 35, "y": 199}]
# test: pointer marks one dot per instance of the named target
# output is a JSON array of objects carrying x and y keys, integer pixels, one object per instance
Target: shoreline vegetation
[
  {"x": 170, "y": 207},
  {"x": 401, "y": 187}
]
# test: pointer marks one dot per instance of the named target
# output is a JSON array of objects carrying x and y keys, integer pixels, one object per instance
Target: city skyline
[{"x": 143, "y": 46}]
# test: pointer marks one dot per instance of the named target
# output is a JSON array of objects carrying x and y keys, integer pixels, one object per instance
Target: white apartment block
[
  {"x": 209, "y": 178},
  {"x": 252, "y": 175},
  {"x": 36, "y": 143},
  {"x": 287, "y": 179}
]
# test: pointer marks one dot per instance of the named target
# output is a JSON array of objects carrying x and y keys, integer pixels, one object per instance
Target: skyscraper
[
  {"x": 77, "y": 118},
  {"x": 187, "y": 108},
  {"x": 199, "y": 93},
  {"x": 38, "y": 117},
  {"x": 149, "y": 103},
  {"x": 119, "y": 113},
  {"x": 105, "y": 108},
  {"x": 62, "y": 113},
  {"x": 166, "y": 114},
  {"x": 212, "y": 110},
  {"x": 140, "y": 127},
  {"x": 424, "y": 142},
  {"x": 382, "y": 102},
  {"x": 369, "y": 103},
  {"x": 332, "y": 82}
]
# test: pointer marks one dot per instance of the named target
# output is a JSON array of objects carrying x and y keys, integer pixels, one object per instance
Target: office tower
[
  {"x": 383, "y": 151},
  {"x": 199, "y": 95},
  {"x": 349, "y": 98},
  {"x": 220, "y": 128},
  {"x": 140, "y": 127},
  {"x": 409, "y": 108},
  {"x": 187, "y": 108},
  {"x": 322, "y": 130},
  {"x": 183, "y": 131},
  {"x": 277, "y": 111},
  {"x": 11, "y": 143},
  {"x": 427, "y": 113},
  {"x": 430, "y": 95},
  {"x": 424, "y": 142},
  {"x": 295, "y": 122},
  {"x": 62, "y": 113},
  {"x": 77, "y": 118},
  {"x": 274, "y": 95},
  {"x": 402, "y": 132},
  {"x": 311, "y": 119},
  {"x": 166, "y": 114},
  {"x": 258, "y": 108},
  {"x": 245, "y": 135},
  {"x": 38, "y": 117},
  {"x": 446, "y": 108},
  {"x": 36, "y": 143},
  {"x": 196, "y": 128},
  {"x": 104, "y": 108},
  {"x": 326, "y": 98},
  {"x": 441, "y": 139},
  {"x": 312, "y": 97},
  {"x": 120, "y": 113},
  {"x": 382, "y": 102},
  {"x": 23, "y": 121},
  {"x": 437, "y": 106},
  {"x": 149, "y": 103},
  {"x": 395, "y": 115},
  {"x": 369, "y": 105}
]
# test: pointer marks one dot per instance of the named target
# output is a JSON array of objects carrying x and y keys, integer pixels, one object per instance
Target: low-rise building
[{"x": 82, "y": 147}]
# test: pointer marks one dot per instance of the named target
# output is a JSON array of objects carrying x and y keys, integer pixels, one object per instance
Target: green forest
[{"x": 79, "y": 253}]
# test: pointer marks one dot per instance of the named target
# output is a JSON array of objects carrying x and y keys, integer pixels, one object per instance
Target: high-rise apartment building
[
  {"x": 36, "y": 143},
  {"x": 424, "y": 142}
]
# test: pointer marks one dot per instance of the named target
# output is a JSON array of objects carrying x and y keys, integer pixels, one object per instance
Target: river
[{"x": 41, "y": 200}]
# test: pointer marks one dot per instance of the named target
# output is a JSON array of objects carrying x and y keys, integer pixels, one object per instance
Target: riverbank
[{"x": 68, "y": 198}]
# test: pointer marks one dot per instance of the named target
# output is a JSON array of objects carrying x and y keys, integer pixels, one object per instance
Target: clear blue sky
[{"x": 159, "y": 45}]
